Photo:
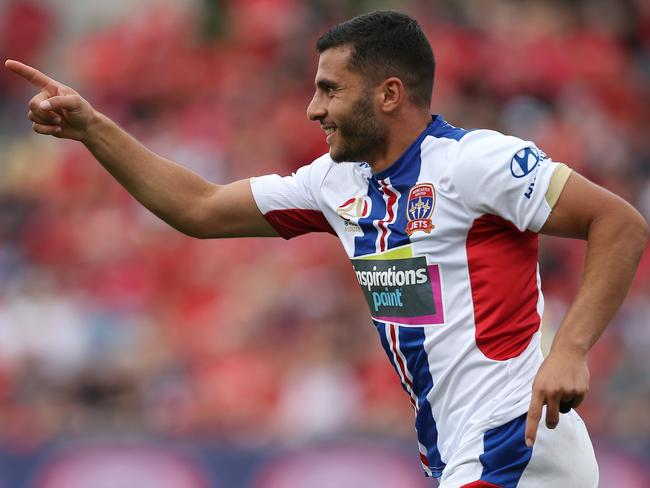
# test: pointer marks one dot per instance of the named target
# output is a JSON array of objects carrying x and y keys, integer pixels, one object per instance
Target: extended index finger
[
  {"x": 34, "y": 76},
  {"x": 533, "y": 418}
]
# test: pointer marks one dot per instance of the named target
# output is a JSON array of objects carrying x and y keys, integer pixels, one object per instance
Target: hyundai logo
[{"x": 524, "y": 162}]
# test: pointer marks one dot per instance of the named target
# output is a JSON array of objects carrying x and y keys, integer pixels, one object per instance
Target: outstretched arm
[
  {"x": 177, "y": 195},
  {"x": 616, "y": 237}
]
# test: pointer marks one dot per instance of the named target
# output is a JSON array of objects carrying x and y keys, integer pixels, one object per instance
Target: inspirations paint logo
[{"x": 404, "y": 291}]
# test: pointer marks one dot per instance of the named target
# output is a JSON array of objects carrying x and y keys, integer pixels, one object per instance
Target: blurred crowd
[{"x": 111, "y": 321}]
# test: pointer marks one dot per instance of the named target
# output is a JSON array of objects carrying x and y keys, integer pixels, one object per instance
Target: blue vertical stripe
[
  {"x": 403, "y": 182},
  {"x": 383, "y": 336},
  {"x": 365, "y": 244},
  {"x": 505, "y": 454},
  {"x": 403, "y": 174},
  {"x": 411, "y": 340}
]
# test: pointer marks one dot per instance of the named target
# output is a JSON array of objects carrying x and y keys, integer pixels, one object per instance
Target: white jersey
[{"x": 444, "y": 247}]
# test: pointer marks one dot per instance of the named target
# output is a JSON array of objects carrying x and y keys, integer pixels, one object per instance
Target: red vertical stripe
[
  {"x": 402, "y": 367},
  {"x": 383, "y": 224},
  {"x": 502, "y": 265},
  {"x": 424, "y": 460}
]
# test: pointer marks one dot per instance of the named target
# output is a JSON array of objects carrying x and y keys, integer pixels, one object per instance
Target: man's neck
[{"x": 401, "y": 134}]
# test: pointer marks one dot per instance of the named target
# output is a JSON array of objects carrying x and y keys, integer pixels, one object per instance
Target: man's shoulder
[
  {"x": 324, "y": 172},
  {"x": 321, "y": 165},
  {"x": 314, "y": 171},
  {"x": 324, "y": 160},
  {"x": 324, "y": 166},
  {"x": 483, "y": 150},
  {"x": 479, "y": 142},
  {"x": 469, "y": 146}
]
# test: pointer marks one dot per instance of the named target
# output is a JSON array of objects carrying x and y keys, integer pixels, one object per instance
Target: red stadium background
[{"x": 131, "y": 355}]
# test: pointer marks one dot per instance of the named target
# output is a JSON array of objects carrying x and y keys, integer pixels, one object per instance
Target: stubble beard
[{"x": 362, "y": 136}]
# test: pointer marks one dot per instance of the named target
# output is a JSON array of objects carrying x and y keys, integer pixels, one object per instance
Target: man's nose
[{"x": 316, "y": 109}]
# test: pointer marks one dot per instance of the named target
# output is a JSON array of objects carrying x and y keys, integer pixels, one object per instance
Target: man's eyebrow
[{"x": 324, "y": 83}]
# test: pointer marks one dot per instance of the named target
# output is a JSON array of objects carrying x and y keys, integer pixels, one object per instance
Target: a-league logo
[
  {"x": 422, "y": 201},
  {"x": 352, "y": 210}
]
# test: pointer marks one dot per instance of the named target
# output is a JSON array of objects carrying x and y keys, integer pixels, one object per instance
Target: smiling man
[{"x": 441, "y": 226}]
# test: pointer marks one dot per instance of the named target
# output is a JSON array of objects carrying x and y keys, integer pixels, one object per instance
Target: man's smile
[{"x": 329, "y": 131}]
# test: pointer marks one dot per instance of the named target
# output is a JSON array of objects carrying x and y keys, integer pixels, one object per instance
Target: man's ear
[{"x": 391, "y": 94}]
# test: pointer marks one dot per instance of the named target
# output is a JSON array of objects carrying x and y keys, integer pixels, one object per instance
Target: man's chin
[
  {"x": 335, "y": 157},
  {"x": 339, "y": 157}
]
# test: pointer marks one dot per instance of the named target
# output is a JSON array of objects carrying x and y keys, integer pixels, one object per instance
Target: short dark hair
[{"x": 385, "y": 44}]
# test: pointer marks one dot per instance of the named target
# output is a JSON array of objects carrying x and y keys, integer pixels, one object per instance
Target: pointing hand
[
  {"x": 57, "y": 109},
  {"x": 561, "y": 384}
]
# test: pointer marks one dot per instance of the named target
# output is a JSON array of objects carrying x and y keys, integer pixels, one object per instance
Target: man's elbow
[
  {"x": 644, "y": 229},
  {"x": 636, "y": 230},
  {"x": 195, "y": 232},
  {"x": 201, "y": 228},
  {"x": 189, "y": 228},
  {"x": 620, "y": 223},
  {"x": 204, "y": 219}
]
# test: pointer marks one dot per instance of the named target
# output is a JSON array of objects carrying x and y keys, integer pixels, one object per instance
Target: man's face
[{"x": 344, "y": 105}]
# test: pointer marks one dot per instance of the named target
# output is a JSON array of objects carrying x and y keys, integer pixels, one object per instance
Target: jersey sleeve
[
  {"x": 290, "y": 204},
  {"x": 508, "y": 177}
]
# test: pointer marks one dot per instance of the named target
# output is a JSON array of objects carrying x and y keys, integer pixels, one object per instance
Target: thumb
[{"x": 62, "y": 102}]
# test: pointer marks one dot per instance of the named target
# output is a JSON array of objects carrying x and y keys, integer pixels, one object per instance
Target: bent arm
[
  {"x": 616, "y": 237},
  {"x": 180, "y": 197}
]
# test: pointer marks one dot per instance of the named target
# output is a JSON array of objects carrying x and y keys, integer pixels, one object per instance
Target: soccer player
[{"x": 441, "y": 226}]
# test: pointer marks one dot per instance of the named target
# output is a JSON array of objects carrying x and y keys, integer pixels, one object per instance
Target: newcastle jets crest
[{"x": 422, "y": 200}]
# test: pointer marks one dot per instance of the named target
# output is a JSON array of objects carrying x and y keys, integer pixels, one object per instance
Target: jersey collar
[{"x": 412, "y": 152}]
